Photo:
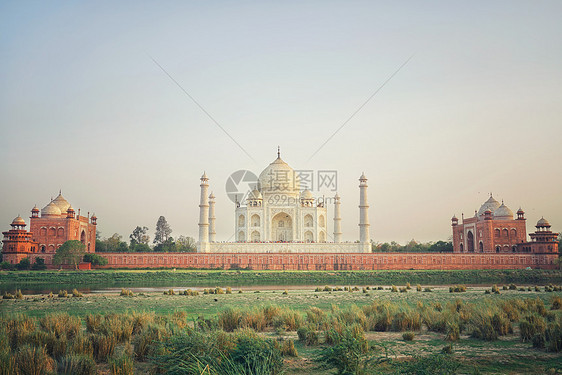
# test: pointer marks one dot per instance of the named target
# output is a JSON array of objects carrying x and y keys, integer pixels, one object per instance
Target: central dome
[
  {"x": 491, "y": 204},
  {"x": 278, "y": 178}
]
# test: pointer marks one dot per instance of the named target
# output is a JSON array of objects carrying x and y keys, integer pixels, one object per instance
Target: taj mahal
[{"x": 278, "y": 216}]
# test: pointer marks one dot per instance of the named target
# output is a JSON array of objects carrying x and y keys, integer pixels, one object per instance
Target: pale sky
[{"x": 478, "y": 108}]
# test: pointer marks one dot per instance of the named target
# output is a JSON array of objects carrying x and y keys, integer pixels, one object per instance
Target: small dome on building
[
  {"x": 306, "y": 194},
  {"x": 35, "y": 209},
  {"x": 520, "y": 211},
  {"x": 491, "y": 204},
  {"x": 543, "y": 223},
  {"x": 211, "y": 196},
  {"x": 70, "y": 209},
  {"x": 18, "y": 221},
  {"x": 454, "y": 218},
  {"x": 51, "y": 210},
  {"x": 255, "y": 194},
  {"x": 362, "y": 178},
  {"x": 61, "y": 203},
  {"x": 503, "y": 213}
]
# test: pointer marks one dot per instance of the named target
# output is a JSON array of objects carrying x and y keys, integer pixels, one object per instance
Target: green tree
[
  {"x": 24, "y": 264},
  {"x": 71, "y": 252},
  {"x": 185, "y": 244},
  {"x": 95, "y": 259},
  {"x": 139, "y": 236},
  {"x": 39, "y": 264},
  {"x": 163, "y": 231}
]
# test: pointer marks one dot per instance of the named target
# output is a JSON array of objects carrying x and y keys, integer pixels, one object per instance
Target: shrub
[
  {"x": 61, "y": 325},
  {"x": 63, "y": 293},
  {"x": 6, "y": 266},
  {"x": 18, "y": 294},
  {"x": 33, "y": 360},
  {"x": 495, "y": 289},
  {"x": 327, "y": 289},
  {"x": 257, "y": 356},
  {"x": 76, "y": 293},
  {"x": 8, "y": 295},
  {"x": 556, "y": 303},
  {"x": 77, "y": 364},
  {"x": 39, "y": 264},
  {"x": 427, "y": 289},
  {"x": 349, "y": 355},
  {"x": 394, "y": 289},
  {"x": 404, "y": 290},
  {"x": 24, "y": 264},
  {"x": 228, "y": 290},
  {"x": 285, "y": 292},
  {"x": 530, "y": 326},
  {"x": 126, "y": 293},
  {"x": 219, "y": 290},
  {"x": 453, "y": 331},
  {"x": 288, "y": 349},
  {"x": 103, "y": 346},
  {"x": 95, "y": 259},
  {"x": 408, "y": 336},
  {"x": 121, "y": 366},
  {"x": 418, "y": 288},
  {"x": 512, "y": 287}
]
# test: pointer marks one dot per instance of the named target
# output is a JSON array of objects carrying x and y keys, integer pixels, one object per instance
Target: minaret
[
  {"x": 204, "y": 216},
  {"x": 364, "y": 237},
  {"x": 337, "y": 219},
  {"x": 212, "y": 233}
]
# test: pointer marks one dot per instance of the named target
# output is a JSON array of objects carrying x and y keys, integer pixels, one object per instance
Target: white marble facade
[{"x": 277, "y": 216}]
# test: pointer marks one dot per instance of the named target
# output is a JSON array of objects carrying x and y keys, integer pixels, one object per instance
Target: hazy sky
[{"x": 83, "y": 107}]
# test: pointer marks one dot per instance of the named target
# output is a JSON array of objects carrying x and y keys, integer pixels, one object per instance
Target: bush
[
  {"x": 530, "y": 326},
  {"x": 33, "y": 360},
  {"x": 103, "y": 346},
  {"x": 121, "y": 366},
  {"x": 63, "y": 294},
  {"x": 95, "y": 259},
  {"x": 512, "y": 287},
  {"x": 24, "y": 264},
  {"x": 418, "y": 288},
  {"x": 126, "y": 293},
  {"x": 408, "y": 336},
  {"x": 76, "y": 293},
  {"x": 288, "y": 349},
  {"x": 6, "y": 266},
  {"x": 39, "y": 264},
  {"x": 349, "y": 355},
  {"x": 427, "y": 289},
  {"x": 556, "y": 303},
  {"x": 77, "y": 364},
  {"x": 394, "y": 289}
]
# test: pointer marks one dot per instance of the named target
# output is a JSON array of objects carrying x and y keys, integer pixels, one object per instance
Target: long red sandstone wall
[{"x": 331, "y": 261}]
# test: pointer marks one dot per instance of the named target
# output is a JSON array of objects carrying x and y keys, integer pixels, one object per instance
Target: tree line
[
  {"x": 139, "y": 241},
  {"x": 413, "y": 246}
]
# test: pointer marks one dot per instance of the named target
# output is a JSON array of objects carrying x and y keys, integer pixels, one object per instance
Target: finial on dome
[{"x": 278, "y": 152}]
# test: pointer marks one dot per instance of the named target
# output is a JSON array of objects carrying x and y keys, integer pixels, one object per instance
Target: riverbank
[{"x": 97, "y": 279}]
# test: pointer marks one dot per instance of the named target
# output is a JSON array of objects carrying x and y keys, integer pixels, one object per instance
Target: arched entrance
[
  {"x": 308, "y": 237},
  {"x": 282, "y": 227},
  {"x": 470, "y": 242},
  {"x": 83, "y": 237}
]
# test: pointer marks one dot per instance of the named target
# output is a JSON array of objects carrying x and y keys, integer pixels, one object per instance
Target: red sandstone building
[
  {"x": 55, "y": 224},
  {"x": 493, "y": 229}
]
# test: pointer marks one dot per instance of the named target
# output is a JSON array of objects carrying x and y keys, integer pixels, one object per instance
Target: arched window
[
  {"x": 481, "y": 247},
  {"x": 498, "y": 249},
  {"x": 281, "y": 224},
  {"x": 308, "y": 237},
  {"x": 506, "y": 233},
  {"x": 255, "y": 236},
  {"x": 514, "y": 248},
  {"x": 308, "y": 221},
  {"x": 241, "y": 237},
  {"x": 43, "y": 232},
  {"x": 255, "y": 220},
  {"x": 321, "y": 221},
  {"x": 52, "y": 232},
  {"x": 497, "y": 233},
  {"x": 514, "y": 233},
  {"x": 322, "y": 237},
  {"x": 43, "y": 248},
  {"x": 83, "y": 237},
  {"x": 241, "y": 220},
  {"x": 462, "y": 247},
  {"x": 60, "y": 232}
]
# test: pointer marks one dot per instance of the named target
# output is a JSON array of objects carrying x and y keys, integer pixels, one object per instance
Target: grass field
[
  {"x": 129, "y": 278},
  {"x": 459, "y": 321}
]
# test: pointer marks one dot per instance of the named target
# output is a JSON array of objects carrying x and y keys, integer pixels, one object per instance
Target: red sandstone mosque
[
  {"x": 493, "y": 229},
  {"x": 55, "y": 224}
]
